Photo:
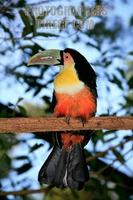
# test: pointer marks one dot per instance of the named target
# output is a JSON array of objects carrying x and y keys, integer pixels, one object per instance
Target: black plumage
[
  {"x": 65, "y": 168},
  {"x": 84, "y": 70}
]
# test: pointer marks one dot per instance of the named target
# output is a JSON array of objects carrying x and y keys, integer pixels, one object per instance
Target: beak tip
[
  {"x": 47, "y": 57},
  {"x": 29, "y": 63}
]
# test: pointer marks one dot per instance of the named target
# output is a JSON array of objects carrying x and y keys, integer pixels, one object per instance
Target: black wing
[
  {"x": 85, "y": 72},
  {"x": 53, "y": 103},
  {"x": 87, "y": 75}
]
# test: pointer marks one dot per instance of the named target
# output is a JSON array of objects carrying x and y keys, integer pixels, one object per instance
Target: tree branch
[
  {"x": 25, "y": 192},
  {"x": 52, "y": 124}
]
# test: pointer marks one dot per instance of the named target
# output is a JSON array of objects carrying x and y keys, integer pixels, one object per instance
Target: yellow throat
[{"x": 67, "y": 81}]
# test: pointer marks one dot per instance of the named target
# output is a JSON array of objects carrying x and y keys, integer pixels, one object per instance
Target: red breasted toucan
[{"x": 75, "y": 95}]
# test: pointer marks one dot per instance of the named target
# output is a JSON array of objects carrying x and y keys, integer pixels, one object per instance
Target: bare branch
[{"x": 52, "y": 124}]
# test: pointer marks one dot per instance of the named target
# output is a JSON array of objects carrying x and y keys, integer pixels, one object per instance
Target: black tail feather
[
  {"x": 65, "y": 168},
  {"x": 78, "y": 172},
  {"x": 48, "y": 170}
]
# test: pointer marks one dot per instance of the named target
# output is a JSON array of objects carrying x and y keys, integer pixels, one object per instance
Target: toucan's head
[
  {"x": 69, "y": 58},
  {"x": 56, "y": 57}
]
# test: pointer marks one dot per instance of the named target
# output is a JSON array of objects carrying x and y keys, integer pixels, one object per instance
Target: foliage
[{"x": 20, "y": 39}]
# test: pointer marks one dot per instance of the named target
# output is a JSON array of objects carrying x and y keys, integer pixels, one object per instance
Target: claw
[
  {"x": 67, "y": 120},
  {"x": 82, "y": 120}
]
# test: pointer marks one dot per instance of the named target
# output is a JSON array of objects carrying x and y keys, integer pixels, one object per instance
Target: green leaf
[
  {"x": 118, "y": 155},
  {"x": 7, "y": 30},
  {"x": 47, "y": 34},
  {"x": 23, "y": 168},
  {"x": 20, "y": 99},
  {"x": 27, "y": 30},
  {"x": 109, "y": 132},
  {"x": 110, "y": 139},
  {"x": 130, "y": 82},
  {"x": 21, "y": 3},
  {"x": 10, "y": 104},
  {"x": 22, "y": 110},
  {"x": 128, "y": 138},
  {"x": 5, "y": 165},
  {"x": 130, "y": 53},
  {"x": 42, "y": 15},
  {"x": 116, "y": 81},
  {"x": 21, "y": 158},
  {"x": 131, "y": 21},
  {"x": 35, "y": 147},
  {"x": 129, "y": 101},
  {"x": 108, "y": 62},
  {"x": 29, "y": 27},
  {"x": 122, "y": 72},
  {"x": 24, "y": 18}
]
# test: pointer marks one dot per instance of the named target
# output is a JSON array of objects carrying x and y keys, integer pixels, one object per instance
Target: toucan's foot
[
  {"x": 82, "y": 120},
  {"x": 67, "y": 120}
]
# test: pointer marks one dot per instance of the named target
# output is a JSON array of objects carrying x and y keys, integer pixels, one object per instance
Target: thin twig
[
  {"x": 103, "y": 153},
  {"x": 25, "y": 192}
]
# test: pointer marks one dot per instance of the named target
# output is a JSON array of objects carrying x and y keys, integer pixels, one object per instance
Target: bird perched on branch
[{"x": 74, "y": 96}]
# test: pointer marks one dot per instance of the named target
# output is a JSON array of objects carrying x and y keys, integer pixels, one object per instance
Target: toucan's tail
[{"x": 65, "y": 168}]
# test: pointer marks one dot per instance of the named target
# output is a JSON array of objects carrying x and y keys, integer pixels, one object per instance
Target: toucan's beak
[{"x": 48, "y": 57}]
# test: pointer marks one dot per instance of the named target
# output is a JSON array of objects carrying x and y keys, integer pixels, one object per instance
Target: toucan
[{"x": 74, "y": 96}]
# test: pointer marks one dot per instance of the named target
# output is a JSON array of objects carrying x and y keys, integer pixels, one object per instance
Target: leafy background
[{"x": 27, "y": 91}]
